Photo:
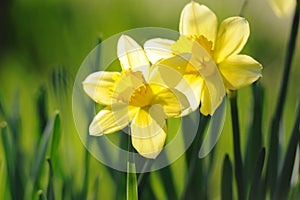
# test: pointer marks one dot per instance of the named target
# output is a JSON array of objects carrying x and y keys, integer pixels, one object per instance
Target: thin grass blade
[
  {"x": 50, "y": 189},
  {"x": 255, "y": 134},
  {"x": 55, "y": 136},
  {"x": 131, "y": 183},
  {"x": 227, "y": 177},
  {"x": 214, "y": 130},
  {"x": 282, "y": 188},
  {"x": 256, "y": 181}
]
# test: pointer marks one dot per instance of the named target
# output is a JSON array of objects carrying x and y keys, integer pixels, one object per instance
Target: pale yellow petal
[
  {"x": 169, "y": 72},
  {"x": 283, "y": 8},
  {"x": 99, "y": 86},
  {"x": 213, "y": 82},
  {"x": 198, "y": 20},
  {"x": 148, "y": 131},
  {"x": 111, "y": 119},
  {"x": 191, "y": 87},
  {"x": 173, "y": 101},
  {"x": 158, "y": 48},
  {"x": 206, "y": 102},
  {"x": 232, "y": 37},
  {"x": 132, "y": 56},
  {"x": 239, "y": 71},
  {"x": 182, "y": 45}
]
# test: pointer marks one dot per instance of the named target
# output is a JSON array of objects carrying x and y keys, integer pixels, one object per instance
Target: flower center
[
  {"x": 142, "y": 96},
  {"x": 204, "y": 42}
]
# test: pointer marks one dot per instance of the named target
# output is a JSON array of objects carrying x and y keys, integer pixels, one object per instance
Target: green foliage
[
  {"x": 227, "y": 179},
  {"x": 131, "y": 183},
  {"x": 41, "y": 156}
]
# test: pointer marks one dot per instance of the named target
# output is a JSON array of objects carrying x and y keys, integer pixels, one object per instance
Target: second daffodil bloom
[
  {"x": 208, "y": 58},
  {"x": 133, "y": 97}
]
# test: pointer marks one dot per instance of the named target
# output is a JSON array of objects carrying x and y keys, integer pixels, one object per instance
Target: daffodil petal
[
  {"x": 169, "y": 72},
  {"x": 132, "y": 56},
  {"x": 158, "y": 48},
  {"x": 232, "y": 37},
  {"x": 206, "y": 102},
  {"x": 239, "y": 71},
  {"x": 99, "y": 86},
  {"x": 173, "y": 101},
  {"x": 182, "y": 45},
  {"x": 191, "y": 87},
  {"x": 148, "y": 131},
  {"x": 111, "y": 119},
  {"x": 213, "y": 81},
  {"x": 198, "y": 20},
  {"x": 282, "y": 8}
]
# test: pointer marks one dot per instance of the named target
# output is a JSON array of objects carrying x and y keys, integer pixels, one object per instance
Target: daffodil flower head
[
  {"x": 134, "y": 97},
  {"x": 215, "y": 64}
]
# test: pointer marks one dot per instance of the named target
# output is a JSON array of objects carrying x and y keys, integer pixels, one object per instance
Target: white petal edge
[{"x": 158, "y": 48}]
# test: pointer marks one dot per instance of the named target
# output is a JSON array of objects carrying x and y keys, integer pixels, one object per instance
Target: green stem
[
  {"x": 243, "y": 7},
  {"x": 274, "y": 142},
  {"x": 236, "y": 145}
]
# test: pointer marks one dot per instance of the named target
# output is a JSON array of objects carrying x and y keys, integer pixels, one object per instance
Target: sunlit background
[{"x": 43, "y": 43}]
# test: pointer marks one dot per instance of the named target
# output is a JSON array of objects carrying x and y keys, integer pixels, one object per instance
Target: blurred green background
[{"x": 43, "y": 43}]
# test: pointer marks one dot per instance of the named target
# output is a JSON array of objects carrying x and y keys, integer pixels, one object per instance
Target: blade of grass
[
  {"x": 254, "y": 190},
  {"x": 194, "y": 186},
  {"x": 41, "y": 105},
  {"x": 50, "y": 189},
  {"x": 283, "y": 186},
  {"x": 214, "y": 130},
  {"x": 41, "y": 195},
  {"x": 95, "y": 189},
  {"x": 239, "y": 175},
  {"x": 272, "y": 167},
  {"x": 9, "y": 153},
  {"x": 2, "y": 109},
  {"x": 51, "y": 126},
  {"x": 226, "y": 187},
  {"x": 158, "y": 187},
  {"x": 131, "y": 183},
  {"x": 131, "y": 180},
  {"x": 84, "y": 192},
  {"x": 255, "y": 135}
]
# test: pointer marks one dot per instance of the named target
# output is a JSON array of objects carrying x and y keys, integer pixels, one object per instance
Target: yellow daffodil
[
  {"x": 207, "y": 58},
  {"x": 134, "y": 97},
  {"x": 282, "y": 8}
]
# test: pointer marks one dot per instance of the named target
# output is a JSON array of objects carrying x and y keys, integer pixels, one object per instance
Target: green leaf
[
  {"x": 52, "y": 124},
  {"x": 226, "y": 187},
  {"x": 272, "y": 166},
  {"x": 9, "y": 153},
  {"x": 95, "y": 189},
  {"x": 195, "y": 186},
  {"x": 41, "y": 105},
  {"x": 41, "y": 154},
  {"x": 254, "y": 191},
  {"x": 283, "y": 186},
  {"x": 214, "y": 130},
  {"x": 131, "y": 183},
  {"x": 41, "y": 195},
  {"x": 50, "y": 189},
  {"x": 238, "y": 162},
  {"x": 56, "y": 135},
  {"x": 255, "y": 134}
]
